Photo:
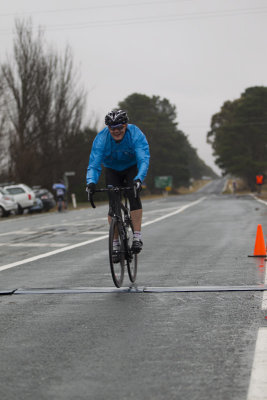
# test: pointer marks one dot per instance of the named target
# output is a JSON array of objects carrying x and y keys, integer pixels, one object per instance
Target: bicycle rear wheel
[
  {"x": 117, "y": 268},
  {"x": 132, "y": 262}
]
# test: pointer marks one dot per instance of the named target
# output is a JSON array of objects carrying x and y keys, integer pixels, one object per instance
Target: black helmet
[{"x": 116, "y": 117}]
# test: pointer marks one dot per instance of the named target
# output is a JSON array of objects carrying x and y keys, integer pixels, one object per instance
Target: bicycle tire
[
  {"x": 117, "y": 269},
  {"x": 133, "y": 261}
]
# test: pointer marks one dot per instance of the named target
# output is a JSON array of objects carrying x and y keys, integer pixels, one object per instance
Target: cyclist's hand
[
  {"x": 138, "y": 185},
  {"x": 91, "y": 188}
]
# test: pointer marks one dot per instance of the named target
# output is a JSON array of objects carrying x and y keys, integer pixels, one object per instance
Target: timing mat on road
[{"x": 135, "y": 289}]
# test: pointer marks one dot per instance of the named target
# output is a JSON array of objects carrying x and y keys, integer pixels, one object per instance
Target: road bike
[
  {"x": 61, "y": 204},
  {"x": 121, "y": 228}
]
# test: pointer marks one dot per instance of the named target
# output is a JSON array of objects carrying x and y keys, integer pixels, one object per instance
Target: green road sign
[{"x": 161, "y": 182}]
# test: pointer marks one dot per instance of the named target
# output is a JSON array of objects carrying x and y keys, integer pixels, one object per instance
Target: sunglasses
[{"x": 120, "y": 128}]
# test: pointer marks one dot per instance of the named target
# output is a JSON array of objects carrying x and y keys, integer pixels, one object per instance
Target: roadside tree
[
  {"x": 238, "y": 135},
  {"x": 42, "y": 108},
  {"x": 171, "y": 152}
]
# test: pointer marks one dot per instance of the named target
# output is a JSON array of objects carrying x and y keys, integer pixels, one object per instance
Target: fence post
[{"x": 73, "y": 198}]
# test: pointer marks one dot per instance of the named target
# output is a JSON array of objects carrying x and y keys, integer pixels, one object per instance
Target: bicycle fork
[{"x": 123, "y": 233}]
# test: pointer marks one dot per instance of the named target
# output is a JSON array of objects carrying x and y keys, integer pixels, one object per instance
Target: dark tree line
[
  {"x": 171, "y": 152},
  {"x": 238, "y": 135}
]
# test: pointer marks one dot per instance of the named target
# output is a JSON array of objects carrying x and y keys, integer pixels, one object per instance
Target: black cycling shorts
[
  {"x": 123, "y": 178},
  {"x": 61, "y": 197}
]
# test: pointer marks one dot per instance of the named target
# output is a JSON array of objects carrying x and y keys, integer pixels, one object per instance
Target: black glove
[
  {"x": 91, "y": 188},
  {"x": 138, "y": 185}
]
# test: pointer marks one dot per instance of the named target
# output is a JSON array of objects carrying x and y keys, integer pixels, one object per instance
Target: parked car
[
  {"x": 23, "y": 195},
  {"x": 7, "y": 204},
  {"x": 37, "y": 207},
  {"x": 47, "y": 198}
]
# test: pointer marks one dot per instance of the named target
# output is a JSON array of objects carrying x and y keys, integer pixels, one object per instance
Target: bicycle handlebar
[{"x": 115, "y": 189}]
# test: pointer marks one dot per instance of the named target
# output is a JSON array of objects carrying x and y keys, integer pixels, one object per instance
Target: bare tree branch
[{"x": 42, "y": 106}]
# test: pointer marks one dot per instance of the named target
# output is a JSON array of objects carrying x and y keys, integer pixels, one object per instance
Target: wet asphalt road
[{"x": 133, "y": 345}]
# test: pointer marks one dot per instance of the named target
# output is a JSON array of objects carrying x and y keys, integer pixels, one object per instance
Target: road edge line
[
  {"x": 257, "y": 199},
  {"x": 181, "y": 209},
  {"x": 258, "y": 380}
]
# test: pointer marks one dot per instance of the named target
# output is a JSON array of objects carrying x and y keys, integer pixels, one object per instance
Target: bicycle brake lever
[{"x": 90, "y": 198}]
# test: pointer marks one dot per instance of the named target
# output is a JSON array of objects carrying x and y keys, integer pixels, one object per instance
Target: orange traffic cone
[{"x": 260, "y": 248}]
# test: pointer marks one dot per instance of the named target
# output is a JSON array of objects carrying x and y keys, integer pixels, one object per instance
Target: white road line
[
  {"x": 161, "y": 210},
  {"x": 258, "y": 381},
  {"x": 174, "y": 212},
  {"x": 79, "y": 223},
  {"x": 33, "y": 244},
  {"x": 51, "y": 253},
  {"x": 259, "y": 200},
  {"x": 94, "y": 233},
  {"x": 22, "y": 232},
  {"x": 74, "y": 246},
  {"x": 264, "y": 299}
]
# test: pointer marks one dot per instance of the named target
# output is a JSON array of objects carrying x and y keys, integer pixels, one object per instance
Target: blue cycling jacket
[
  {"x": 133, "y": 149},
  {"x": 59, "y": 188}
]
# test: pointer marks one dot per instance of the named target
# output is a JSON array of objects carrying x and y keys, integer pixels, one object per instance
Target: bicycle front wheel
[
  {"x": 132, "y": 261},
  {"x": 116, "y": 258}
]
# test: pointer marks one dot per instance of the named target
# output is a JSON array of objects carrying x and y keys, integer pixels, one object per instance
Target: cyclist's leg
[
  {"x": 135, "y": 204},
  {"x": 136, "y": 216},
  {"x": 59, "y": 203},
  {"x": 135, "y": 209},
  {"x": 113, "y": 178}
]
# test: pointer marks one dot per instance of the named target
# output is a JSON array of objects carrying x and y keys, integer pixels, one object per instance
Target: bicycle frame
[
  {"x": 121, "y": 219},
  {"x": 118, "y": 207}
]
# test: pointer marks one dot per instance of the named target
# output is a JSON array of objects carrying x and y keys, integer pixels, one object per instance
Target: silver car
[{"x": 7, "y": 204}]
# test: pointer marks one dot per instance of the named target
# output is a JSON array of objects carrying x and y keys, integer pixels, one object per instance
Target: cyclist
[
  {"x": 123, "y": 150},
  {"x": 60, "y": 190}
]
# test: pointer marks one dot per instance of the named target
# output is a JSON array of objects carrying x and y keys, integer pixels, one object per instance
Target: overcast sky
[{"x": 196, "y": 53}]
